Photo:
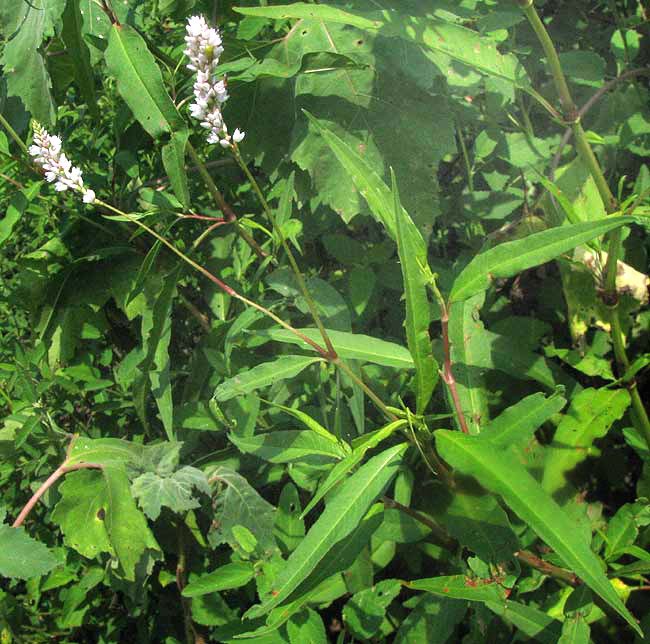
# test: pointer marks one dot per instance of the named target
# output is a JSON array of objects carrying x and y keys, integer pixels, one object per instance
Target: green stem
[
  {"x": 588, "y": 157},
  {"x": 222, "y": 285},
  {"x": 13, "y": 135},
  {"x": 228, "y": 212},
  {"x": 297, "y": 272},
  {"x": 468, "y": 165}
]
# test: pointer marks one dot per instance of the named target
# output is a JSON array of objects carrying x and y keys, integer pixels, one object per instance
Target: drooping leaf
[
  {"x": 140, "y": 82},
  {"x": 23, "y": 557},
  {"x": 286, "y": 446},
  {"x": 262, "y": 375},
  {"x": 352, "y": 346},
  {"x": 97, "y": 513},
  {"x": 531, "y": 621},
  {"x": 339, "y": 519},
  {"x": 175, "y": 491},
  {"x": 413, "y": 259},
  {"x": 509, "y": 258},
  {"x": 432, "y": 619},
  {"x": 590, "y": 415},
  {"x": 525, "y": 496}
]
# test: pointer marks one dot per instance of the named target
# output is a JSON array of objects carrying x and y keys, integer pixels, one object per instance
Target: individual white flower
[
  {"x": 46, "y": 151},
  {"x": 204, "y": 47}
]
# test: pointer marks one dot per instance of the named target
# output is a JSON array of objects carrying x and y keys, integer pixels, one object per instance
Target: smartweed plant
[{"x": 368, "y": 367}]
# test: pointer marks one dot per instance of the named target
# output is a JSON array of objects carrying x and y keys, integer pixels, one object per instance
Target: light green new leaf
[
  {"x": 97, "y": 513},
  {"x": 351, "y": 346},
  {"x": 23, "y": 557},
  {"x": 461, "y": 587},
  {"x": 140, "y": 82},
  {"x": 262, "y": 375},
  {"x": 413, "y": 258},
  {"x": 510, "y": 258},
  {"x": 286, "y": 446},
  {"x": 341, "y": 469},
  {"x": 590, "y": 415},
  {"x": 503, "y": 475},
  {"x": 232, "y": 575},
  {"x": 341, "y": 516},
  {"x": 518, "y": 423},
  {"x": 529, "y": 620}
]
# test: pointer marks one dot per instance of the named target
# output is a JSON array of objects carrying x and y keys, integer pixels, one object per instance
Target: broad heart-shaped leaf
[
  {"x": 262, "y": 375},
  {"x": 287, "y": 446},
  {"x": 23, "y": 557},
  {"x": 140, "y": 82},
  {"x": 351, "y": 346},
  {"x": 498, "y": 472},
  {"x": 239, "y": 505},
  {"x": 341, "y": 516},
  {"x": 413, "y": 258},
  {"x": 510, "y": 258},
  {"x": 518, "y": 423},
  {"x": 97, "y": 513},
  {"x": 590, "y": 415},
  {"x": 461, "y": 587},
  {"x": 429, "y": 31},
  {"x": 232, "y": 575},
  {"x": 531, "y": 621},
  {"x": 174, "y": 491},
  {"x": 24, "y": 66}
]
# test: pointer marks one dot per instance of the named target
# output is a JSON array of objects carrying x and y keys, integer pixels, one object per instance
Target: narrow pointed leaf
[
  {"x": 232, "y": 575},
  {"x": 262, "y": 375},
  {"x": 510, "y": 258},
  {"x": 460, "y": 587},
  {"x": 140, "y": 82},
  {"x": 500, "y": 474},
  {"x": 529, "y": 620},
  {"x": 173, "y": 158},
  {"x": 413, "y": 257},
  {"x": 339, "y": 519}
]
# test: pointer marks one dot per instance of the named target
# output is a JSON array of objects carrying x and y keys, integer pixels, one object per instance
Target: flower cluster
[
  {"x": 203, "y": 50},
  {"x": 47, "y": 152}
]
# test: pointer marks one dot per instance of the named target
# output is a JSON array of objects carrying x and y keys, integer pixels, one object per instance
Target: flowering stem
[
  {"x": 299, "y": 277},
  {"x": 230, "y": 216}
]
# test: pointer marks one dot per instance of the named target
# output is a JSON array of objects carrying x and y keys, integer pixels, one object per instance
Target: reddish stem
[
  {"x": 49, "y": 482},
  {"x": 447, "y": 375},
  {"x": 219, "y": 220}
]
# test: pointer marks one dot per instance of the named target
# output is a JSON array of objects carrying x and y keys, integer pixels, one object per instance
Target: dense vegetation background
[{"x": 463, "y": 456}]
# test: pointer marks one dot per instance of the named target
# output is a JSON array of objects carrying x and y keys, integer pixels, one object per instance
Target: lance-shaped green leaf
[
  {"x": 518, "y": 423},
  {"x": 342, "y": 468},
  {"x": 413, "y": 258},
  {"x": 339, "y": 519},
  {"x": 23, "y": 557},
  {"x": 529, "y": 620},
  {"x": 140, "y": 82},
  {"x": 351, "y": 346},
  {"x": 461, "y": 587},
  {"x": 262, "y": 375},
  {"x": 173, "y": 158},
  {"x": 510, "y": 258},
  {"x": 104, "y": 451},
  {"x": 503, "y": 475},
  {"x": 232, "y": 575},
  {"x": 286, "y": 446},
  {"x": 590, "y": 415}
]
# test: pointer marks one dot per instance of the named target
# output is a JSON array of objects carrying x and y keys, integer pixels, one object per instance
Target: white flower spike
[
  {"x": 210, "y": 93},
  {"x": 46, "y": 151}
]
